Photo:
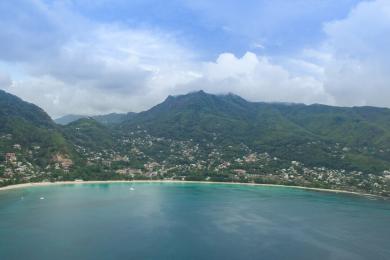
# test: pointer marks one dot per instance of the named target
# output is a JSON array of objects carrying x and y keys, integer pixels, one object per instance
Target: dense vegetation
[
  {"x": 290, "y": 131},
  {"x": 29, "y": 126},
  {"x": 201, "y": 136}
]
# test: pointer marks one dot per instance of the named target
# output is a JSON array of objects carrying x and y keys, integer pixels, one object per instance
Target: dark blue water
[{"x": 190, "y": 221}]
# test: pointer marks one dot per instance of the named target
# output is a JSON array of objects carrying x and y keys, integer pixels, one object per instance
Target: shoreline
[{"x": 37, "y": 184}]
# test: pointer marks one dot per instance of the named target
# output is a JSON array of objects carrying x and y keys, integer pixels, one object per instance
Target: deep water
[{"x": 190, "y": 221}]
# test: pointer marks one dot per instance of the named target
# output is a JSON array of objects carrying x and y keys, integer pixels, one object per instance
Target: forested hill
[
  {"x": 13, "y": 108},
  {"x": 200, "y": 114},
  {"x": 300, "y": 132},
  {"x": 27, "y": 131},
  {"x": 203, "y": 136}
]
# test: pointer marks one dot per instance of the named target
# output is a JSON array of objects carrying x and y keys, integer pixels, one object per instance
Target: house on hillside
[
  {"x": 65, "y": 163},
  {"x": 240, "y": 172},
  {"x": 10, "y": 157}
]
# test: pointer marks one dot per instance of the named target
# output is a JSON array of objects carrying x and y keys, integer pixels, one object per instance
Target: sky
[{"x": 101, "y": 56}]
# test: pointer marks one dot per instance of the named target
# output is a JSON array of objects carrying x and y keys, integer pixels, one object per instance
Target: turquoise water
[{"x": 190, "y": 221}]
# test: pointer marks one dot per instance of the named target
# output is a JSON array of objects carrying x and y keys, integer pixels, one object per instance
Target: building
[
  {"x": 63, "y": 161},
  {"x": 239, "y": 171},
  {"x": 17, "y": 146},
  {"x": 10, "y": 157}
]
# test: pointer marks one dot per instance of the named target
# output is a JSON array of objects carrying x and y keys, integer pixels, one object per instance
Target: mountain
[
  {"x": 109, "y": 119},
  {"x": 24, "y": 127},
  {"x": 89, "y": 133},
  {"x": 202, "y": 116},
  {"x": 195, "y": 115},
  {"x": 201, "y": 136},
  {"x": 199, "y": 111},
  {"x": 306, "y": 133},
  {"x": 64, "y": 120},
  {"x": 361, "y": 126},
  {"x": 14, "y": 108}
]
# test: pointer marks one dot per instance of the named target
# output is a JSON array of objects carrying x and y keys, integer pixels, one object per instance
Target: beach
[{"x": 35, "y": 184}]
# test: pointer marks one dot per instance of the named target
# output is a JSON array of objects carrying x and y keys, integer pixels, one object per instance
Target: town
[{"x": 141, "y": 156}]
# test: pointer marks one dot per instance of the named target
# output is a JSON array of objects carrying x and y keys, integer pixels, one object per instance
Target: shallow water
[{"x": 190, "y": 221}]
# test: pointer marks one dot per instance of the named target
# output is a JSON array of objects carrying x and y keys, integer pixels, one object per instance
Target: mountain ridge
[
  {"x": 201, "y": 136},
  {"x": 199, "y": 115},
  {"x": 24, "y": 126},
  {"x": 106, "y": 119}
]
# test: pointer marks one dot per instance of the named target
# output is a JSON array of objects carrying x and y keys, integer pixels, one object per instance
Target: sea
[{"x": 190, "y": 221}]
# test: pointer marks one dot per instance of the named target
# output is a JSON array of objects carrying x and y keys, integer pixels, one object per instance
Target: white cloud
[
  {"x": 258, "y": 79},
  {"x": 258, "y": 45},
  {"x": 356, "y": 56},
  {"x": 113, "y": 69},
  {"x": 5, "y": 80},
  {"x": 59, "y": 98},
  {"x": 350, "y": 67},
  {"x": 99, "y": 68}
]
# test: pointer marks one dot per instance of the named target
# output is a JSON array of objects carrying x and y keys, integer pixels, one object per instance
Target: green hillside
[
  {"x": 28, "y": 126},
  {"x": 310, "y": 134},
  {"x": 89, "y": 133},
  {"x": 199, "y": 136}
]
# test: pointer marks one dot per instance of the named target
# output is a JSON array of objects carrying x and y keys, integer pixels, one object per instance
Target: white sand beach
[{"x": 79, "y": 182}]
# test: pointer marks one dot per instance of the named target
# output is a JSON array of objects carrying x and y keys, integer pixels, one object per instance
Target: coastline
[{"x": 37, "y": 184}]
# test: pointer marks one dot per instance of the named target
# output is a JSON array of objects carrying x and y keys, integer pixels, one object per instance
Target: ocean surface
[{"x": 190, "y": 221}]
